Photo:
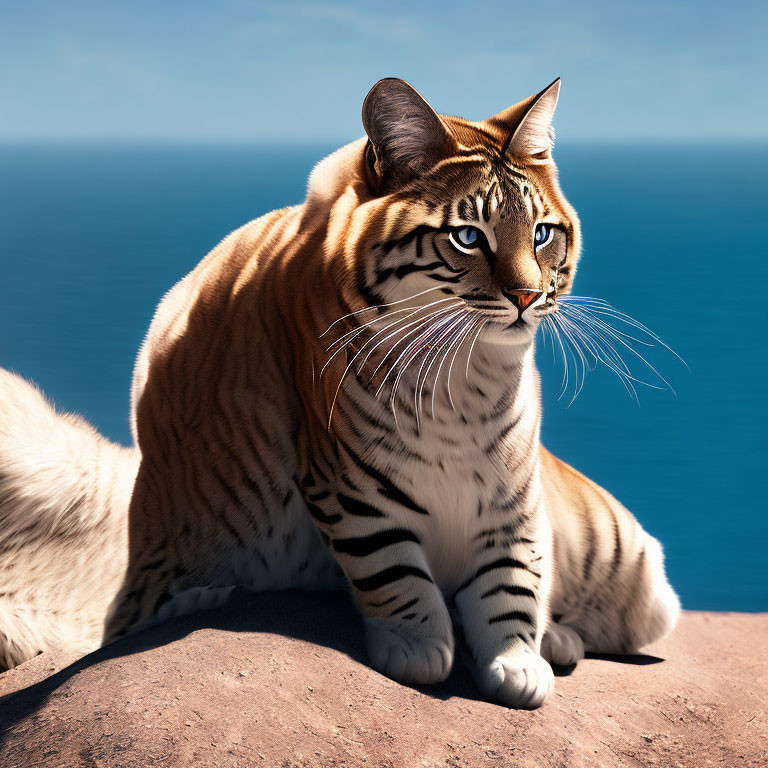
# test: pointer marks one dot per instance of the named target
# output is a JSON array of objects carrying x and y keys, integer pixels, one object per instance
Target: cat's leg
[
  {"x": 628, "y": 605},
  {"x": 562, "y": 645},
  {"x": 503, "y": 607},
  {"x": 610, "y": 586},
  {"x": 192, "y": 559},
  {"x": 408, "y": 630}
]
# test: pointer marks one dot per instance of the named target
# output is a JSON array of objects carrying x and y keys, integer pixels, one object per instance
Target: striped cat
[{"x": 344, "y": 392}]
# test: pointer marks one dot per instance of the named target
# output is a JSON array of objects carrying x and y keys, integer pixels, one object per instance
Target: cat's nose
[{"x": 522, "y": 298}]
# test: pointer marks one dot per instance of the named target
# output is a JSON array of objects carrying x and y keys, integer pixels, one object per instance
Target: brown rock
[{"x": 281, "y": 680}]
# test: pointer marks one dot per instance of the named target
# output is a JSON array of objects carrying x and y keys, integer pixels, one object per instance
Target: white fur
[{"x": 64, "y": 493}]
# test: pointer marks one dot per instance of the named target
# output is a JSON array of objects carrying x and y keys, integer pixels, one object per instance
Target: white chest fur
[{"x": 461, "y": 464}]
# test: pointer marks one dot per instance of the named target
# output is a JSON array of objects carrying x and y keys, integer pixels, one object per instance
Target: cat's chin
[{"x": 517, "y": 336}]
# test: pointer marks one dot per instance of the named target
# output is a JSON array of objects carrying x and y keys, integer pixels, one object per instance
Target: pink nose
[{"x": 522, "y": 298}]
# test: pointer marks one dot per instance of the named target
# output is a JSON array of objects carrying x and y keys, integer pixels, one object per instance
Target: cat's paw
[
  {"x": 561, "y": 645},
  {"x": 522, "y": 680},
  {"x": 406, "y": 656}
]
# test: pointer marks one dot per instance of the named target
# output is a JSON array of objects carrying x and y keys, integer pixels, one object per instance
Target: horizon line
[{"x": 282, "y": 141}]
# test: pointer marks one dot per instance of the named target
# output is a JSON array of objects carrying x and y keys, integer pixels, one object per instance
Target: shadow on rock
[
  {"x": 322, "y": 618},
  {"x": 639, "y": 659}
]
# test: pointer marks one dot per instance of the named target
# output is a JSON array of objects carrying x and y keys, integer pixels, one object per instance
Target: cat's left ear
[
  {"x": 406, "y": 134},
  {"x": 529, "y": 126}
]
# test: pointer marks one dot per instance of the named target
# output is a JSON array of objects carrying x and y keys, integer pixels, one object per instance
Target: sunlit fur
[
  {"x": 64, "y": 493},
  {"x": 337, "y": 394}
]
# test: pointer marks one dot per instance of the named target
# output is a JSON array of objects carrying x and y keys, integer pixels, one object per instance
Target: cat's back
[{"x": 197, "y": 320}]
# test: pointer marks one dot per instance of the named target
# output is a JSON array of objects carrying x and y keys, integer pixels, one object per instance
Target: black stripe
[
  {"x": 164, "y": 597},
  {"x": 627, "y": 638},
  {"x": 617, "y": 544},
  {"x": 503, "y": 562},
  {"x": 591, "y": 536},
  {"x": 512, "y": 616},
  {"x": 524, "y": 636},
  {"x": 443, "y": 279},
  {"x": 403, "y": 270},
  {"x": 360, "y": 546},
  {"x": 509, "y": 589},
  {"x": 519, "y": 498},
  {"x": 376, "y": 421},
  {"x": 460, "y": 271},
  {"x": 486, "y": 202},
  {"x": 384, "y": 602},
  {"x": 388, "y": 488},
  {"x": 389, "y": 575},
  {"x": 473, "y": 209},
  {"x": 356, "y": 507},
  {"x": 321, "y": 517},
  {"x": 416, "y": 232},
  {"x": 463, "y": 159},
  {"x": 403, "y": 607},
  {"x": 512, "y": 425},
  {"x": 317, "y": 469}
]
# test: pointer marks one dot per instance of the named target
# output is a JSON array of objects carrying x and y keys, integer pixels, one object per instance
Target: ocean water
[{"x": 92, "y": 236}]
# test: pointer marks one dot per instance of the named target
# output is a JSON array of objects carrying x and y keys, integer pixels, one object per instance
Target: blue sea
[{"x": 92, "y": 236}]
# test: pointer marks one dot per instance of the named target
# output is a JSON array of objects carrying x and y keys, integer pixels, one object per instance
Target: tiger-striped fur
[{"x": 345, "y": 392}]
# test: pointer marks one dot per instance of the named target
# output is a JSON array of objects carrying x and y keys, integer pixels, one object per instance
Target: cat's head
[{"x": 470, "y": 213}]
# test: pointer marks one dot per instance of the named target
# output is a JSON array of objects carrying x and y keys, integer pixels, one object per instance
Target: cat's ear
[
  {"x": 407, "y": 136},
  {"x": 530, "y": 136}
]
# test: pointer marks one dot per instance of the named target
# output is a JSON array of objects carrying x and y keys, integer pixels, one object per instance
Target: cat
[{"x": 343, "y": 394}]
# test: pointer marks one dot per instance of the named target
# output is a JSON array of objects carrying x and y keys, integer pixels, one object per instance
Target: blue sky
[{"x": 298, "y": 71}]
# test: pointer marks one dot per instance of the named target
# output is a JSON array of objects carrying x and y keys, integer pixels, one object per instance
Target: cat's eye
[
  {"x": 466, "y": 238},
  {"x": 543, "y": 235}
]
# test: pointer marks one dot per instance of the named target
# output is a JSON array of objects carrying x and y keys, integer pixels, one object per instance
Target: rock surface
[{"x": 281, "y": 680}]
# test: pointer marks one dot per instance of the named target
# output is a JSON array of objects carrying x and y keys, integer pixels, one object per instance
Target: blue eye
[
  {"x": 543, "y": 235},
  {"x": 466, "y": 237}
]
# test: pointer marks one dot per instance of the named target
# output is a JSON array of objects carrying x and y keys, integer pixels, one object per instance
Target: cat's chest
[
  {"x": 462, "y": 492},
  {"x": 446, "y": 477},
  {"x": 455, "y": 469},
  {"x": 465, "y": 473}
]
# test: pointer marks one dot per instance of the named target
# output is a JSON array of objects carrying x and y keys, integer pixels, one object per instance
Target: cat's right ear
[{"x": 406, "y": 135}]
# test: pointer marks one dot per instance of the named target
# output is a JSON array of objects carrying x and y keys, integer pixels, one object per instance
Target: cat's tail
[{"x": 64, "y": 496}]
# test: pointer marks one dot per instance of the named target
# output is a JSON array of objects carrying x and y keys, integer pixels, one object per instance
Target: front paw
[
  {"x": 561, "y": 645},
  {"x": 522, "y": 680},
  {"x": 404, "y": 655}
]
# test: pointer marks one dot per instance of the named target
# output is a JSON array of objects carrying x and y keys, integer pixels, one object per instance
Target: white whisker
[
  {"x": 482, "y": 325},
  {"x": 389, "y": 325},
  {"x": 431, "y": 356},
  {"x": 597, "y": 346},
  {"x": 603, "y": 307},
  {"x": 419, "y": 345},
  {"x": 379, "y": 306},
  {"x": 584, "y": 365},
  {"x": 357, "y": 330},
  {"x": 418, "y": 388},
  {"x": 467, "y": 332},
  {"x": 410, "y": 310},
  {"x": 452, "y": 312},
  {"x": 420, "y": 324},
  {"x": 420, "y": 320},
  {"x": 447, "y": 345},
  {"x": 585, "y": 324},
  {"x": 598, "y": 324}
]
